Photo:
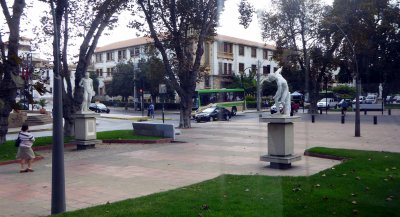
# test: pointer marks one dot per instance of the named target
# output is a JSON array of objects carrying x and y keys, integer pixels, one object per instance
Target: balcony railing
[{"x": 225, "y": 55}]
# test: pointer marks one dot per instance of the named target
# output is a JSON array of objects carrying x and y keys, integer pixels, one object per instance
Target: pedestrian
[
  {"x": 344, "y": 107},
  {"x": 151, "y": 110},
  {"x": 25, "y": 153}
]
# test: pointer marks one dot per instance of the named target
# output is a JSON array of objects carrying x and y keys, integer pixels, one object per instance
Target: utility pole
[
  {"x": 134, "y": 89},
  {"x": 57, "y": 168},
  {"x": 258, "y": 87}
]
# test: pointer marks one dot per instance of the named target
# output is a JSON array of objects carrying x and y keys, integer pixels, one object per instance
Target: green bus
[{"x": 231, "y": 99}]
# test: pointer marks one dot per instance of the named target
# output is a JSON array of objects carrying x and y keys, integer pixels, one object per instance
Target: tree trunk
[
  {"x": 9, "y": 65},
  {"x": 4, "y": 113},
  {"x": 186, "y": 110}
]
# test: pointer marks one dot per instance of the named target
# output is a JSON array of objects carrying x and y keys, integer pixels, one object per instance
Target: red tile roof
[{"x": 147, "y": 40}]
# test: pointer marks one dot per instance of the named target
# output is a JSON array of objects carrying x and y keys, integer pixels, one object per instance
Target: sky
[{"x": 229, "y": 23}]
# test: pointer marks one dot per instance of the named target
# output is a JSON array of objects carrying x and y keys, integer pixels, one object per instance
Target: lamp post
[
  {"x": 258, "y": 87},
  {"x": 58, "y": 177},
  {"x": 134, "y": 89},
  {"x": 357, "y": 127}
]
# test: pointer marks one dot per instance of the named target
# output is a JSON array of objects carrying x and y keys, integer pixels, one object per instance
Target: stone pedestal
[
  {"x": 280, "y": 141},
  {"x": 85, "y": 130}
]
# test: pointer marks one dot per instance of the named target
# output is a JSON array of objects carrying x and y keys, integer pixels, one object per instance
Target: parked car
[
  {"x": 396, "y": 99},
  {"x": 99, "y": 108},
  {"x": 274, "y": 110},
  {"x": 362, "y": 100},
  {"x": 213, "y": 113},
  {"x": 371, "y": 99},
  {"x": 327, "y": 103}
]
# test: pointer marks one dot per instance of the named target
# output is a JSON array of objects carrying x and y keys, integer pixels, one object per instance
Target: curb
[
  {"x": 50, "y": 147},
  {"x": 137, "y": 141},
  {"x": 109, "y": 141},
  {"x": 37, "y": 158},
  {"x": 331, "y": 157}
]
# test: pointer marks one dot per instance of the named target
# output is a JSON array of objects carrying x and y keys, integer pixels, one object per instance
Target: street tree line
[
  {"x": 312, "y": 39},
  {"x": 178, "y": 28},
  {"x": 362, "y": 37}
]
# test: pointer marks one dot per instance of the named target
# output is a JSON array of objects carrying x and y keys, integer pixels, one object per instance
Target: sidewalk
[{"x": 116, "y": 172}]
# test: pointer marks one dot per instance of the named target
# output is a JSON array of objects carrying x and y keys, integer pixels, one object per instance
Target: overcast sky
[{"x": 229, "y": 24}]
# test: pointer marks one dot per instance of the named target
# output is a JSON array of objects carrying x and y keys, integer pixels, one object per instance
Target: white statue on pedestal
[
  {"x": 380, "y": 91},
  {"x": 88, "y": 92},
  {"x": 282, "y": 95}
]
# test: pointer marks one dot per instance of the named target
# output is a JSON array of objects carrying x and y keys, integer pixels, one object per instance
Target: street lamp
[
  {"x": 357, "y": 130},
  {"x": 58, "y": 176}
]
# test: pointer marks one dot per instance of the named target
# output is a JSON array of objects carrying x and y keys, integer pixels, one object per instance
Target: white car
[
  {"x": 274, "y": 110},
  {"x": 332, "y": 103},
  {"x": 371, "y": 99},
  {"x": 362, "y": 100}
]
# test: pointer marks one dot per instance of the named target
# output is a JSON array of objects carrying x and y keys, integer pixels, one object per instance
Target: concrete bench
[{"x": 153, "y": 129}]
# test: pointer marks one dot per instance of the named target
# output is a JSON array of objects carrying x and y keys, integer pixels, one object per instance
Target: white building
[{"x": 223, "y": 57}]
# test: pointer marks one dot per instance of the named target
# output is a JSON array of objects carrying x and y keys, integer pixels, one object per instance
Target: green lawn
[
  {"x": 8, "y": 150},
  {"x": 366, "y": 185},
  {"x": 392, "y": 106}
]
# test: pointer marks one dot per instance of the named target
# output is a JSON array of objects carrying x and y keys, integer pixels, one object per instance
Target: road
[{"x": 172, "y": 117}]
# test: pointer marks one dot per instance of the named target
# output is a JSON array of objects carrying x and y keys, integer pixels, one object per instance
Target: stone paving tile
[{"x": 117, "y": 172}]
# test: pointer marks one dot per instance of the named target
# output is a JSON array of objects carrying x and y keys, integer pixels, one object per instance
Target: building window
[
  {"x": 227, "y": 68},
  {"x": 241, "y": 50},
  {"x": 254, "y": 52},
  {"x": 225, "y": 47},
  {"x": 110, "y": 56},
  {"x": 206, "y": 80},
  {"x": 220, "y": 70},
  {"x": 98, "y": 58},
  {"x": 253, "y": 68},
  {"x": 121, "y": 54},
  {"x": 135, "y": 51},
  {"x": 109, "y": 71},
  {"x": 266, "y": 69},
  {"x": 99, "y": 72},
  {"x": 228, "y": 47},
  {"x": 207, "y": 54},
  {"x": 265, "y": 54},
  {"x": 241, "y": 67}
]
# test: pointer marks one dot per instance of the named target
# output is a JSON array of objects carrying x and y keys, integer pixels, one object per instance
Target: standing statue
[
  {"x": 282, "y": 95},
  {"x": 88, "y": 92},
  {"x": 380, "y": 91}
]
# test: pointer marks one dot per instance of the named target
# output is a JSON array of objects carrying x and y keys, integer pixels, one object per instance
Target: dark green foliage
[
  {"x": 344, "y": 91},
  {"x": 93, "y": 76},
  {"x": 152, "y": 73},
  {"x": 372, "y": 27},
  {"x": 245, "y": 81},
  {"x": 122, "y": 83},
  {"x": 246, "y": 11},
  {"x": 366, "y": 185}
]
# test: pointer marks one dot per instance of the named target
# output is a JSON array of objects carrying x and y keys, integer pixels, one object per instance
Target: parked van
[{"x": 322, "y": 104}]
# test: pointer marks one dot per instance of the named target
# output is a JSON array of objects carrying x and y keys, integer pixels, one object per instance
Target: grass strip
[
  {"x": 8, "y": 150},
  {"x": 366, "y": 185}
]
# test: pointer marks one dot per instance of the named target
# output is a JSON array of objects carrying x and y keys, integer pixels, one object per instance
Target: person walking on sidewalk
[
  {"x": 25, "y": 152},
  {"x": 151, "y": 110}
]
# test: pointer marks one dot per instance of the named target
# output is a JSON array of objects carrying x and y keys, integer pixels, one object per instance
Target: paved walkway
[{"x": 116, "y": 172}]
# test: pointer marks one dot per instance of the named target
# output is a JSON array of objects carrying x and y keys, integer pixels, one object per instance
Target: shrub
[{"x": 250, "y": 98}]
